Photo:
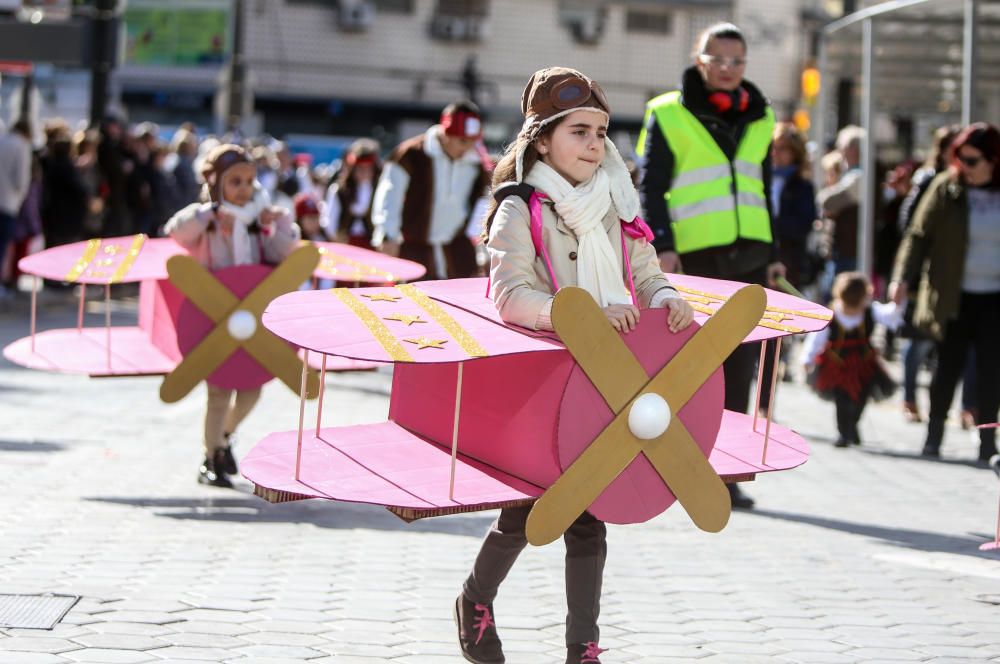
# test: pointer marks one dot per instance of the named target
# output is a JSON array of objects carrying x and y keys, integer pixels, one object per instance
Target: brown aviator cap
[{"x": 555, "y": 92}]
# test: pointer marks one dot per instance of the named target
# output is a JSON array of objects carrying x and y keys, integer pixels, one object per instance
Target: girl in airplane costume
[
  {"x": 565, "y": 213},
  {"x": 234, "y": 226}
]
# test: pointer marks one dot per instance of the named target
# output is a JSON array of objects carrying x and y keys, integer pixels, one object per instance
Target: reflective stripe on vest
[{"x": 712, "y": 201}]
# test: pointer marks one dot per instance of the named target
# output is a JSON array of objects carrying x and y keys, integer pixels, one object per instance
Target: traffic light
[{"x": 810, "y": 84}]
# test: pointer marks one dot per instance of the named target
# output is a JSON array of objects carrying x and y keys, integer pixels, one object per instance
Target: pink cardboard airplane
[
  {"x": 484, "y": 414},
  {"x": 193, "y": 324}
]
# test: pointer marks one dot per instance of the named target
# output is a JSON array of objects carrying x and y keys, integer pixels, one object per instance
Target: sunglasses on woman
[
  {"x": 721, "y": 62},
  {"x": 971, "y": 162}
]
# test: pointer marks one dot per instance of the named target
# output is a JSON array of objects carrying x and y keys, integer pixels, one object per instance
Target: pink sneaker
[
  {"x": 477, "y": 633},
  {"x": 584, "y": 653}
]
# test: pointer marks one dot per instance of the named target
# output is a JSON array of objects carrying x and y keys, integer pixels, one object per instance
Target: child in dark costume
[{"x": 844, "y": 366}]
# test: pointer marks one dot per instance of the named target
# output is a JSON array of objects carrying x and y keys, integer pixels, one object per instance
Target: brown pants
[
  {"x": 586, "y": 551},
  {"x": 223, "y": 416}
]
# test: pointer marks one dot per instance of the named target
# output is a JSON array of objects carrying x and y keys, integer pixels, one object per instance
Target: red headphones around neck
[{"x": 725, "y": 101}]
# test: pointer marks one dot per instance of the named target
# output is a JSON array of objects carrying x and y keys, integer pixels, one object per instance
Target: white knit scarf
[
  {"x": 583, "y": 209},
  {"x": 244, "y": 215}
]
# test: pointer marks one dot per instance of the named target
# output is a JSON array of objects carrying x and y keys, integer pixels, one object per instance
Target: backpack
[{"x": 533, "y": 199}]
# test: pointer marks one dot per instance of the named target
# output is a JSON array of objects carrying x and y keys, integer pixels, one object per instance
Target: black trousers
[
  {"x": 739, "y": 367},
  {"x": 977, "y": 326},
  {"x": 849, "y": 413},
  {"x": 586, "y": 552}
]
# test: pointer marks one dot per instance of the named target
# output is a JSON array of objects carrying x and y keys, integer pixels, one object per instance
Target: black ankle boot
[
  {"x": 212, "y": 472},
  {"x": 987, "y": 447},
  {"x": 739, "y": 499},
  {"x": 935, "y": 434},
  {"x": 228, "y": 460},
  {"x": 477, "y": 633}
]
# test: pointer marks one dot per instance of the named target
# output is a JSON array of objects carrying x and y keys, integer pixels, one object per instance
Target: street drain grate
[{"x": 34, "y": 611}]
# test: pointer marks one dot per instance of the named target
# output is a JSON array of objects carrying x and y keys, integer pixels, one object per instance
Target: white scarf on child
[
  {"x": 583, "y": 209},
  {"x": 244, "y": 215}
]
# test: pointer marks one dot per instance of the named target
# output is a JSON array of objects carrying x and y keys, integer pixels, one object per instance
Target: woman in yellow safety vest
[{"x": 705, "y": 181}]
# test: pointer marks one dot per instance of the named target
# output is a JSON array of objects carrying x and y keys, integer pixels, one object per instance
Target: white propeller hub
[
  {"x": 649, "y": 416},
  {"x": 241, "y": 324}
]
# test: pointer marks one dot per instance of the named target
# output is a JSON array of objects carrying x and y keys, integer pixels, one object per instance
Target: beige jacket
[
  {"x": 519, "y": 280},
  {"x": 192, "y": 227}
]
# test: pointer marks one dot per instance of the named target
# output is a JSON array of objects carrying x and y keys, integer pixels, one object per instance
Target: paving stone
[
  {"x": 38, "y": 644},
  {"x": 289, "y": 627},
  {"x": 139, "y": 629},
  {"x": 144, "y": 617},
  {"x": 957, "y": 651},
  {"x": 811, "y": 645},
  {"x": 212, "y": 615},
  {"x": 297, "y": 652},
  {"x": 192, "y": 653},
  {"x": 887, "y": 654},
  {"x": 104, "y": 656},
  {"x": 31, "y": 658},
  {"x": 284, "y": 638},
  {"x": 816, "y": 657},
  {"x": 120, "y": 641},
  {"x": 210, "y": 627}
]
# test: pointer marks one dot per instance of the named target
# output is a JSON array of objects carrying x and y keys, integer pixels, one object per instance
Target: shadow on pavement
[
  {"x": 916, "y": 456},
  {"x": 30, "y": 446},
  {"x": 913, "y": 539},
  {"x": 323, "y": 514}
]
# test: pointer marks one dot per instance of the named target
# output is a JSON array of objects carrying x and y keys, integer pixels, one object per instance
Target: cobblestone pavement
[{"x": 862, "y": 555}]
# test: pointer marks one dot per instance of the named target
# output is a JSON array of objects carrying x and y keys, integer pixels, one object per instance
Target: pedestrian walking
[
  {"x": 841, "y": 202},
  {"x": 952, "y": 249},
  {"x": 431, "y": 192},
  {"x": 919, "y": 346},
  {"x": 15, "y": 178},
  {"x": 794, "y": 201}
]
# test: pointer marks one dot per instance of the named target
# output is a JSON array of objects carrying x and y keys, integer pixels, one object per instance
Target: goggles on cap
[
  {"x": 573, "y": 92},
  {"x": 462, "y": 124},
  {"x": 227, "y": 160}
]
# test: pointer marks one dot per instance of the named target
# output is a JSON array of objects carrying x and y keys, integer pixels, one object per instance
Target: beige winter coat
[
  {"x": 193, "y": 228},
  {"x": 520, "y": 283}
]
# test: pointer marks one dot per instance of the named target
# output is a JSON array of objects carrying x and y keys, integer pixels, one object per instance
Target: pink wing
[
  {"x": 384, "y": 464},
  {"x": 104, "y": 261},
  {"x": 395, "y": 324},
  {"x": 785, "y": 314},
  {"x": 347, "y": 263}
]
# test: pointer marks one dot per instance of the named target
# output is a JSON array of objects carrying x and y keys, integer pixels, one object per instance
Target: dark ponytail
[{"x": 506, "y": 170}]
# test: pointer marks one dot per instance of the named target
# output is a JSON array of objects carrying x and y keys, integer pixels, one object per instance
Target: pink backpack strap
[
  {"x": 628, "y": 266},
  {"x": 637, "y": 228},
  {"x": 535, "y": 209}
]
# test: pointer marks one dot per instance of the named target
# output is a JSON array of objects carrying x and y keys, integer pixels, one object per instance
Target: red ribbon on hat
[
  {"x": 355, "y": 160},
  {"x": 462, "y": 124}
]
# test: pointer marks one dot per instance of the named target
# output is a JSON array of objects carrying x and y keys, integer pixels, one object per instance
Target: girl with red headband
[{"x": 347, "y": 215}]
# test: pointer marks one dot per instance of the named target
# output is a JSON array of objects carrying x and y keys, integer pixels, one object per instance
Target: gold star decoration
[
  {"x": 381, "y": 297},
  {"x": 405, "y": 318},
  {"x": 424, "y": 342},
  {"x": 112, "y": 249},
  {"x": 777, "y": 316}
]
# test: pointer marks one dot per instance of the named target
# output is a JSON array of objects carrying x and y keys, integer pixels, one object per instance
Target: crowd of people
[{"x": 722, "y": 190}]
